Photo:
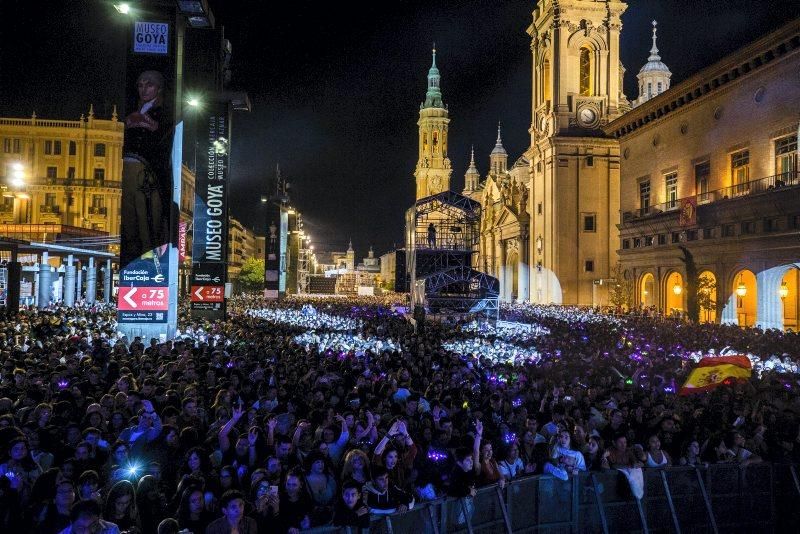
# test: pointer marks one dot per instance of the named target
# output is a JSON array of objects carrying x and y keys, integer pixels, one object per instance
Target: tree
[
  {"x": 706, "y": 294},
  {"x": 251, "y": 277},
  {"x": 621, "y": 291}
]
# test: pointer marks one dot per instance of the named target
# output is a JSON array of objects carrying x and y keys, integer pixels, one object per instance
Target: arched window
[
  {"x": 546, "y": 87},
  {"x": 585, "y": 76}
]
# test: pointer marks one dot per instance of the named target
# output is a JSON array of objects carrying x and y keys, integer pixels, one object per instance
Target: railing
[
  {"x": 719, "y": 498},
  {"x": 95, "y": 210},
  {"x": 101, "y": 124},
  {"x": 763, "y": 185},
  {"x": 49, "y": 209},
  {"x": 74, "y": 182}
]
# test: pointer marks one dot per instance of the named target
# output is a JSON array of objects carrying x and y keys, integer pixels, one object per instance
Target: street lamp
[
  {"x": 741, "y": 289},
  {"x": 123, "y": 8},
  {"x": 784, "y": 290}
]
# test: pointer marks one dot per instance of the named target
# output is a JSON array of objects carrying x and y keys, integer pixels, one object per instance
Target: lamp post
[{"x": 741, "y": 289}]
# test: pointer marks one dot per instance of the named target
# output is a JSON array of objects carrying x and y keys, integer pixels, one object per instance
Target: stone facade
[{"x": 709, "y": 175}]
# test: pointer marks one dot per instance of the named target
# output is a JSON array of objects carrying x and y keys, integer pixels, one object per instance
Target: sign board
[
  {"x": 150, "y": 182},
  {"x": 207, "y": 293},
  {"x": 151, "y": 37},
  {"x": 210, "y": 230},
  {"x": 182, "y": 241}
]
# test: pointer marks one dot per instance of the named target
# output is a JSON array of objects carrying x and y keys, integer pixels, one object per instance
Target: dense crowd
[{"x": 316, "y": 412}]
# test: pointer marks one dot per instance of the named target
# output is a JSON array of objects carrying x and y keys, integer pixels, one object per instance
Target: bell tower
[
  {"x": 433, "y": 166},
  {"x": 574, "y": 167}
]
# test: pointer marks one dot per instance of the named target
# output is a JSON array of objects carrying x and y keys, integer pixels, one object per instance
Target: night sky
[{"x": 336, "y": 86}]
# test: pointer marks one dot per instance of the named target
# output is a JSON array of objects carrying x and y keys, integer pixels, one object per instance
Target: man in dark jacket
[
  {"x": 351, "y": 510},
  {"x": 382, "y": 497}
]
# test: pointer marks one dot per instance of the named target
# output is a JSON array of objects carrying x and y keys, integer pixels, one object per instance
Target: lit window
[
  {"x": 586, "y": 72},
  {"x": 671, "y": 184}
]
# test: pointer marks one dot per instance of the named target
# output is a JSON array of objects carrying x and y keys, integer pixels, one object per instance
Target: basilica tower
[
  {"x": 433, "y": 166},
  {"x": 574, "y": 199}
]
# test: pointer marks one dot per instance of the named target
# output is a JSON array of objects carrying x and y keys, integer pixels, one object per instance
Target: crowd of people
[{"x": 304, "y": 413}]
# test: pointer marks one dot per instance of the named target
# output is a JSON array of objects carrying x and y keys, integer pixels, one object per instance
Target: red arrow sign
[
  {"x": 208, "y": 294},
  {"x": 143, "y": 299}
]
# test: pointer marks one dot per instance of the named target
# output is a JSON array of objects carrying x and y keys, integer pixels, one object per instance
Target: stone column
[
  {"x": 79, "y": 283},
  {"x": 107, "y": 283},
  {"x": 44, "y": 290},
  {"x": 501, "y": 269},
  {"x": 91, "y": 282},
  {"x": 69, "y": 281},
  {"x": 523, "y": 274}
]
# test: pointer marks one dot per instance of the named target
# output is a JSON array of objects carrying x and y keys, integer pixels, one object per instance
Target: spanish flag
[{"x": 715, "y": 371}]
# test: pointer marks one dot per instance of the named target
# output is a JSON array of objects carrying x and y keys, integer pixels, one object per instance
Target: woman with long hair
[
  {"x": 20, "y": 467},
  {"x": 192, "y": 512},
  {"x": 121, "y": 507},
  {"x": 150, "y": 503},
  {"x": 356, "y": 467}
]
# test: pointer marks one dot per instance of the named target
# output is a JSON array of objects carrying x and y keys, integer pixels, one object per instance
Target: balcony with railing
[
  {"x": 769, "y": 185},
  {"x": 98, "y": 210},
  {"x": 49, "y": 209},
  {"x": 74, "y": 182}
]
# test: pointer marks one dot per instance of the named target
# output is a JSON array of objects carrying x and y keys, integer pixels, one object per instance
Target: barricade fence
[{"x": 717, "y": 498}]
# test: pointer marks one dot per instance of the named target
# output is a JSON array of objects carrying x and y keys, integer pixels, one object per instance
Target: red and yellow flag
[{"x": 715, "y": 371}]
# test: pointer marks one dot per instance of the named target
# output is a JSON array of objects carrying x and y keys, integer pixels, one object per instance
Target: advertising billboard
[
  {"x": 150, "y": 177},
  {"x": 210, "y": 234}
]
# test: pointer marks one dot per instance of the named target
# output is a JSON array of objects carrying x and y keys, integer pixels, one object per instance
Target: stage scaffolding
[{"x": 442, "y": 235}]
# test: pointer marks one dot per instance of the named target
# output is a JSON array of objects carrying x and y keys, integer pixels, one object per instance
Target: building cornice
[{"x": 744, "y": 63}]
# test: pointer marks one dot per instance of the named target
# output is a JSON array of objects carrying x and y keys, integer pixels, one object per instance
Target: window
[
  {"x": 11, "y": 146},
  {"x": 590, "y": 161},
  {"x": 52, "y": 148},
  {"x": 648, "y": 241},
  {"x": 749, "y": 227},
  {"x": 708, "y": 233},
  {"x": 100, "y": 174},
  {"x": 52, "y": 172},
  {"x": 671, "y": 183},
  {"x": 50, "y": 199},
  {"x": 658, "y": 88},
  {"x": 662, "y": 239},
  {"x": 589, "y": 222},
  {"x": 794, "y": 222},
  {"x": 729, "y": 230},
  {"x": 644, "y": 196},
  {"x": 626, "y": 244},
  {"x": 100, "y": 150},
  {"x": 772, "y": 224},
  {"x": 691, "y": 235},
  {"x": 98, "y": 201},
  {"x": 546, "y": 91},
  {"x": 588, "y": 266},
  {"x": 73, "y": 148},
  {"x": 637, "y": 242},
  {"x": 702, "y": 173},
  {"x": 676, "y": 237},
  {"x": 649, "y": 89},
  {"x": 539, "y": 208},
  {"x": 585, "y": 74},
  {"x": 71, "y": 173},
  {"x": 786, "y": 159},
  {"x": 740, "y": 172}
]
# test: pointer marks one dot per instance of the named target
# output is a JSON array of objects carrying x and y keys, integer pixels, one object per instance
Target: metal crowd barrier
[{"x": 716, "y": 499}]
